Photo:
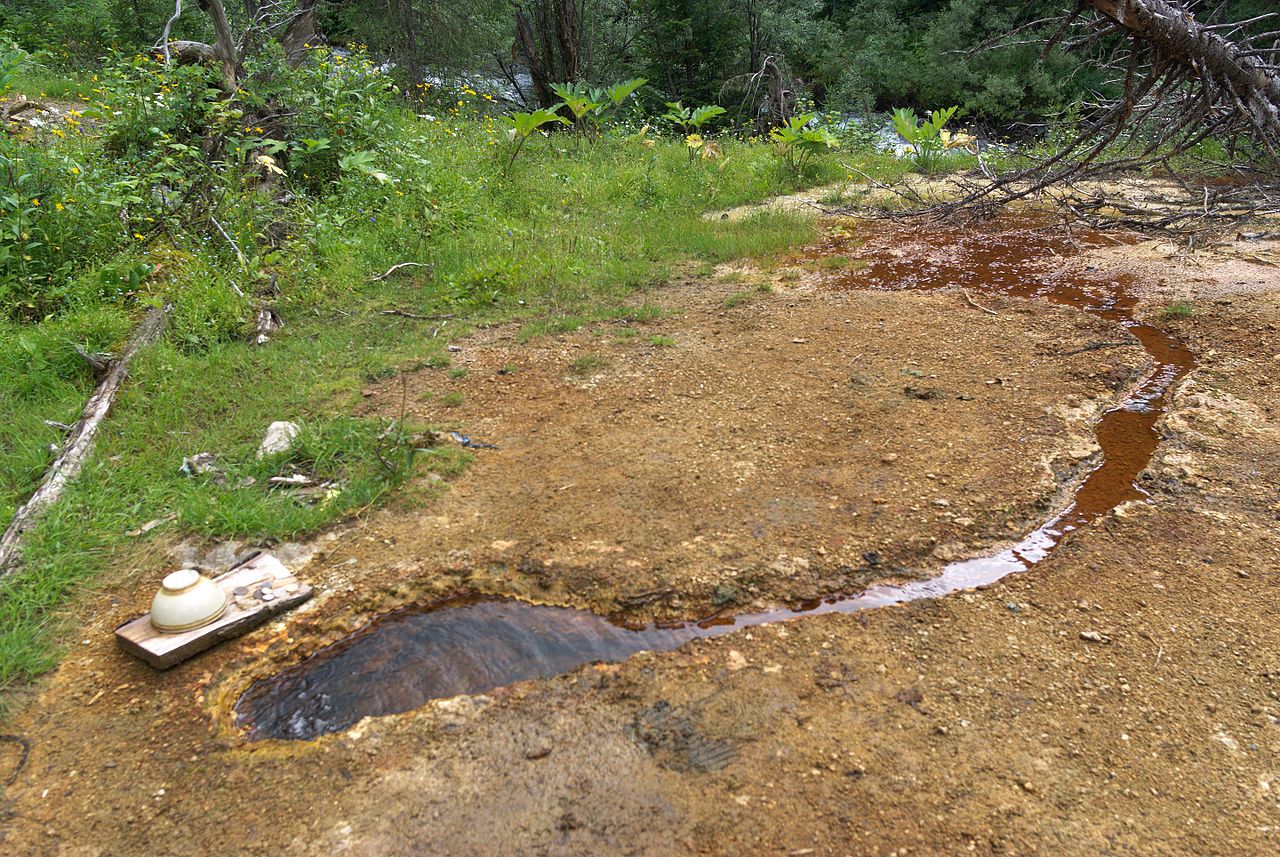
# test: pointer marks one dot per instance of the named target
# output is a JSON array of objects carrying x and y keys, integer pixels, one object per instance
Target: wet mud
[
  {"x": 402, "y": 661},
  {"x": 1123, "y": 697}
]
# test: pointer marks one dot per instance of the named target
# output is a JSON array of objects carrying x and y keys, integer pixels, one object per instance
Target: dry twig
[
  {"x": 398, "y": 267},
  {"x": 975, "y": 304}
]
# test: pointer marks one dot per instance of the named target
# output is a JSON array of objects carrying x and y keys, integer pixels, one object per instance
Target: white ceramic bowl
[{"x": 187, "y": 600}]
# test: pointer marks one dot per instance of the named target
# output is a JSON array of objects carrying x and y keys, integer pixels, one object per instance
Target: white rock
[{"x": 280, "y": 436}]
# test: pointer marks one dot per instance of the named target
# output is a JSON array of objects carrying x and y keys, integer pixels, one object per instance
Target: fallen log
[
  {"x": 1178, "y": 81},
  {"x": 79, "y": 444},
  {"x": 1242, "y": 79}
]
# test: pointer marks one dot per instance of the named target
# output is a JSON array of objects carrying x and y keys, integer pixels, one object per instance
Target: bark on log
[
  {"x": 79, "y": 443},
  {"x": 302, "y": 31},
  {"x": 186, "y": 52}
]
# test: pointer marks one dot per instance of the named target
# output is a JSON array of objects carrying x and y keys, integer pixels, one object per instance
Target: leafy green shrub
[
  {"x": 798, "y": 143},
  {"x": 330, "y": 108},
  {"x": 79, "y": 30},
  {"x": 929, "y": 140},
  {"x": 690, "y": 120},
  {"x": 591, "y": 106},
  {"x": 11, "y": 57},
  {"x": 523, "y": 126},
  {"x": 1178, "y": 309},
  {"x": 140, "y": 103},
  {"x": 52, "y": 222}
]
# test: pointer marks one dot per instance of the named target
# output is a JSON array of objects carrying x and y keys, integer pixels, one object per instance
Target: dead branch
[
  {"x": 25, "y": 746},
  {"x": 397, "y": 267},
  {"x": 10, "y": 111},
  {"x": 297, "y": 32},
  {"x": 404, "y": 313},
  {"x": 79, "y": 445},
  {"x": 244, "y": 260},
  {"x": 969, "y": 300},
  {"x": 767, "y": 94},
  {"x": 168, "y": 27},
  {"x": 1181, "y": 82},
  {"x": 1094, "y": 346},
  {"x": 13, "y": 109},
  {"x": 184, "y": 52},
  {"x": 224, "y": 45}
]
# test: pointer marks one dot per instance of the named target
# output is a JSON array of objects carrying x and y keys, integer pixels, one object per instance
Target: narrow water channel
[{"x": 402, "y": 660}]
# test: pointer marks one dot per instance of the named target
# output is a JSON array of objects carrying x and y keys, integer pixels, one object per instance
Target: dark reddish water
[{"x": 402, "y": 660}]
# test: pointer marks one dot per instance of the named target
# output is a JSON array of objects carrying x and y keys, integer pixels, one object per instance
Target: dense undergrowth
[{"x": 152, "y": 187}]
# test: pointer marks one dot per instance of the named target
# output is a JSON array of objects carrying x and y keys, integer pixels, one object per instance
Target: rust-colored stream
[{"x": 402, "y": 660}]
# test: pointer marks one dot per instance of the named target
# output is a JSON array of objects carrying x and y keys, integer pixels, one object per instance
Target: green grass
[
  {"x": 1178, "y": 309},
  {"x": 566, "y": 240},
  {"x": 739, "y": 298},
  {"x": 593, "y": 314},
  {"x": 588, "y": 364},
  {"x": 37, "y": 82},
  {"x": 659, "y": 341}
]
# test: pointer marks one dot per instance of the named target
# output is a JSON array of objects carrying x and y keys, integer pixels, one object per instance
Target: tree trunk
[
  {"x": 568, "y": 34},
  {"x": 408, "y": 18},
  {"x": 224, "y": 46},
  {"x": 755, "y": 34},
  {"x": 551, "y": 44},
  {"x": 526, "y": 45},
  {"x": 301, "y": 32}
]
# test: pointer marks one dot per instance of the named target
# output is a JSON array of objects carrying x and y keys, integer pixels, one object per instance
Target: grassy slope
[{"x": 566, "y": 236}]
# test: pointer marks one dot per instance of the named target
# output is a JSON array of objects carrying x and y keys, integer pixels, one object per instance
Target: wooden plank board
[{"x": 246, "y": 609}]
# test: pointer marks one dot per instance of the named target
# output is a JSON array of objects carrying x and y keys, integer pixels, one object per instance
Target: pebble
[{"x": 1093, "y": 637}]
